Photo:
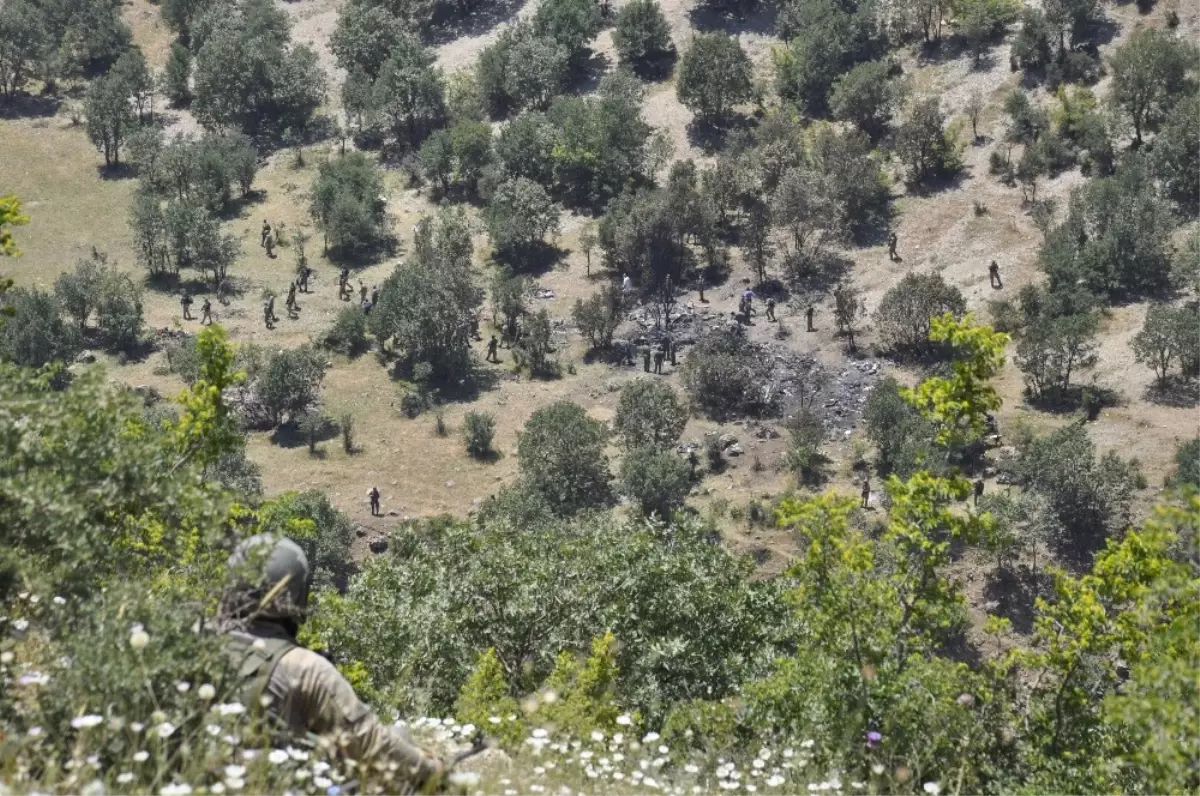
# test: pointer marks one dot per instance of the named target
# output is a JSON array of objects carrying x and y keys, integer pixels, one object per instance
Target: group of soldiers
[{"x": 185, "y": 303}]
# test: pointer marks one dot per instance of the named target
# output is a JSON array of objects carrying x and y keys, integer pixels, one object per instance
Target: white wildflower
[
  {"x": 21, "y": 625},
  {"x": 124, "y": 778},
  {"x": 141, "y": 756},
  {"x": 597, "y": 736},
  {"x": 235, "y": 771},
  {"x": 277, "y": 757},
  {"x": 750, "y": 788},
  {"x": 539, "y": 733},
  {"x": 86, "y": 722},
  {"x": 619, "y": 738},
  {"x": 33, "y": 678},
  {"x": 231, "y": 708},
  {"x": 235, "y": 783},
  {"x": 877, "y": 768},
  {"x": 509, "y": 792},
  {"x": 726, "y": 784},
  {"x": 463, "y": 778},
  {"x": 138, "y": 639},
  {"x": 324, "y": 782},
  {"x": 932, "y": 788},
  {"x": 662, "y": 750},
  {"x": 212, "y": 729},
  {"x": 536, "y": 788},
  {"x": 691, "y": 768},
  {"x": 297, "y": 754},
  {"x": 759, "y": 763},
  {"x": 539, "y": 770},
  {"x": 34, "y": 732},
  {"x": 650, "y": 737},
  {"x": 217, "y": 788},
  {"x": 137, "y": 726},
  {"x": 808, "y": 744},
  {"x": 249, "y": 754},
  {"x": 59, "y": 600},
  {"x": 158, "y": 717},
  {"x": 494, "y": 719},
  {"x": 624, "y": 720},
  {"x": 165, "y": 730},
  {"x": 93, "y": 788},
  {"x": 301, "y": 774},
  {"x": 6, "y": 657},
  {"x": 774, "y": 781},
  {"x": 183, "y": 686},
  {"x": 617, "y": 775},
  {"x": 180, "y": 789}
]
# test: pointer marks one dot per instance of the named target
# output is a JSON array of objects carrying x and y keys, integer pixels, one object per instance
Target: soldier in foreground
[{"x": 261, "y": 612}]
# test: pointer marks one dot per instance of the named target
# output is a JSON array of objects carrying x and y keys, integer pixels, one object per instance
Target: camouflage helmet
[{"x": 270, "y": 579}]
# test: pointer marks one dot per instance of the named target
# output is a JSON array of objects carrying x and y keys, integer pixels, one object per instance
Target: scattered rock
[
  {"x": 379, "y": 545},
  {"x": 360, "y": 532},
  {"x": 449, "y": 484},
  {"x": 727, "y": 440},
  {"x": 85, "y": 357},
  {"x": 735, "y": 450},
  {"x": 393, "y": 513}
]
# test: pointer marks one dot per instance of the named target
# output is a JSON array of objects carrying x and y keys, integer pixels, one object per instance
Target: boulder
[{"x": 379, "y": 545}]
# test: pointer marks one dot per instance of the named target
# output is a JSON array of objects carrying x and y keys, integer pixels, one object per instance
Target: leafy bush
[
  {"x": 119, "y": 312},
  {"x": 649, "y": 415},
  {"x": 347, "y": 203},
  {"x": 905, "y": 312},
  {"x": 642, "y": 37},
  {"x": 806, "y": 432},
  {"x": 348, "y": 335},
  {"x": 521, "y": 70},
  {"x": 656, "y": 480},
  {"x": 599, "y": 316},
  {"x": 1187, "y": 463},
  {"x": 79, "y": 290},
  {"x": 35, "y": 334},
  {"x": 1152, "y": 71},
  {"x": 569, "y": 23},
  {"x": 318, "y": 527},
  {"x": 691, "y": 595},
  {"x": 903, "y": 438},
  {"x": 1169, "y": 334},
  {"x": 290, "y": 382},
  {"x": 926, "y": 146},
  {"x": 714, "y": 75},
  {"x": 1052, "y": 349},
  {"x": 866, "y": 96},
  {"x": 409, "y": 94},
  {"x": 478, "y": 429},
  {"x": 561, "y": 456},
  {"x": 1176, "y": 161},
  {"x": 519, "y": 215},
  {"x": 724, "y": 374}
]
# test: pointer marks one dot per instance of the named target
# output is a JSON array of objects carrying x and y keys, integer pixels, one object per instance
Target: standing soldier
[
  {"x": 994, "y": 275},
  {"x": 671, "y": 350},
  {"x": 271, "y": 308},
  {"x": 659, "y": 356},
  {"x": 646, "y": 358},
  {"x": 978, "y": 490},
  {"x": 373, "y": 497},
  {"x": 492, "y": 346},
  {"x": 269, "y": 242},
  {"x": 892, "y": 241},
  {"x": 268, "y": 319},
  {"x": 808, "y": 316},
  {"x": 185, "y": 301},
  {"x": 700, "y": 287},
  {"x": 748, "y": 297},
  {"x": 770, "y": 309},
  {"x": 866, "y": 493},
  {"x": 362, "y": 292},
  {"x": 305, "y": 273},
  {"x": 344, "y": 284},
  {"x": 260, "y": 615},
  {"x": 265, "y": 235},
  {"x": 206, "y": 312},
  {"x": 292, "y": 307},
  {"x": 374, "y": 295}
]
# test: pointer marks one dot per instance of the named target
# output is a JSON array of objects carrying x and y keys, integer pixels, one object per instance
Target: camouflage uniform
[{"x": 303, "y": 690}]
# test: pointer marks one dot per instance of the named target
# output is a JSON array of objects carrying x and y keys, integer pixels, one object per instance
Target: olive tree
[
  {"x": 1151, "y": 72},
  {"x": 110, "y": 120},
  {"x": 347, "y": 203},
  {"x": 290, "y": 382},
  {"x": 642, "y": 37},
  {"x": 657, "y": 481},
  {"x": 79, "y": 290},
  {"x": 409, "y": 92},
  {"x": 34, "y": 333},
  {"x": 599, "y": 315},
  {"x": 925, "y": 145},
  {"x": 905, "y": 312},
  {"x": 1169, "y": 334},
  {"x": 1051, "y": 350},
  {"x": 866, "y": 96},
  {"x": 520, "y": 215}
]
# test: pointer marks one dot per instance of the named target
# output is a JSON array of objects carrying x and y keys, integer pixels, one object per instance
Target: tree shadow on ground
[
  {"x": 116, "y": 171},
  {"x": 658, "y": 68},
  {"x": 363, "y": 256},
  {"x": 822, "y": 276},
  {"x": 25, "y": 106},
  {"x": 1177, "y": 391},
  {"x": 290, "y": 435},
  {"x": 932, "y": 186},
  {"x": 535, "y": 260},
  {"x": 1012, "y": 592},
  {"x": 1073, "y": 399},
  {"x": 591, "y": 72},
  {"x": 761, "y": 20},
  {"x": 710, "y": 136},
  {"x": 448, "y": 26},
  {"x": 942, "y": 50}
]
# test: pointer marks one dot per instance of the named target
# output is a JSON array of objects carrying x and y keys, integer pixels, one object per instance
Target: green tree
[
  {"x": 119, "y": 312},
  {"x": 534, "y": 347},
  {"x": 519, "y": 216},
  {"x": 323, "y": 532},
  {"x": 1150, "y": 75},
  {"x": 866, "y": 96},
  {"x": 347, "y": 203},
  {"x": 905, "y": 314},
  {"x": 525, "y": 145},
  {"x": 657, "y": 481},
  {"x": 925, "y": 145},
  {"x": 641, "y": 36},
  {"x": 109, "y": 117},
  {"x": 1176, "y": 157},
  {"x": 982, "y": 21},
  {"x": 79, "y": 290},
  {"x": 365, "y": 36},
  {"x": 409, "y": 93},
  {"x": 521, "y": 70},
  {"x": 1169, "y": 333},
  {"x": 714, "y": 75},
  {"x": 723, "y": 375},
  {"x": 249, "y": 75},
  {"x": 570, "y": 23},
  {"x": 1054, "y": 348},
  {"x": 649, "y": 415},
  {"x": 25, "y": 44},
  {"x": 290, "y": 382},
  {"x": 1187, "y": 463},
  {"x": 479, "y": 428},
  {"x": 132, "y": 71},
  {"x": 348, "y": 335},
  {"x": 35, "y": 334},
  {"x": 1113, "y": 240},
  {"x": 561, "y": 456},
  {"x": 177, "y": 74},
  {"x": 599, "y": 315},
  {"x": 426, "y": 305},
  {"x": 902, "y": 437}
]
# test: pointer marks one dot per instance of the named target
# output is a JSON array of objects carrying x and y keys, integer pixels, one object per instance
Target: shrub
[
  {"x": 724, "y": 374},
  {"x": 348, "y": 335},
  {"x": 521, "y": 70},
  {"x": 315, "y": 427},
  {"x": 1187, "y": 463},
  {"x": 569, "y": 23},
  {"x": 1052, "y": 349},
  {"x": 520, "y": 215},
  {"x": 478, "y": 429},
  {"x": 177, "y": 74},
  {"x": 905, "y": 312},
  {"x": 183, "y": 358},
  {"x": 1168, "y": 334},
  {"x": 561, "y": 456},
  {"x": 534, "y": 348},
  {"x": 35, "y": 334},
  {"x": 903, "y": 438},
  {"x": 806, "y": 431},
  {"x": 926, "y": 146},
  {"x": 1176, "y": 160},
  {"x": 346, "y": 425},
  {"x": 119, "y": 312},
  {"x": 649, "y": 415},
  {"x": 599, "y": 316},
  {"x": 290, "y": 382},
  {"x": 317, "y": 526},
  {"x": 79, "y": 290},
  {"x": 656, "y": 480},
  {"x": 866, "y": 96},
  {"x": 642, "y": 37},
  {"x": 347, "y": 203},
  {"x": 714, "y": 75}
]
